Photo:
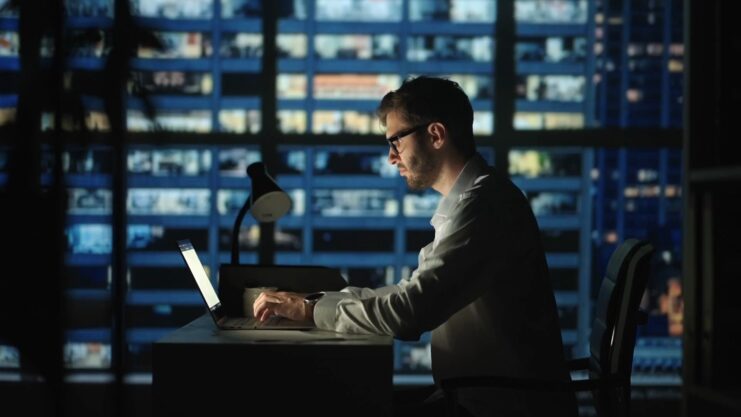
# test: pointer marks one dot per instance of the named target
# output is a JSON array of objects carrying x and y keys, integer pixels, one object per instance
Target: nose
[{"x": 393, "y": 157}]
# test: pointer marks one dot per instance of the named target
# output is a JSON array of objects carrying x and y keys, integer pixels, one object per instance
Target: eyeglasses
[{"x": 402, "y": 134}]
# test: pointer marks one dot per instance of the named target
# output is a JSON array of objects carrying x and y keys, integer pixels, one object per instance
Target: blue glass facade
[{"x": 579, "y": 64}]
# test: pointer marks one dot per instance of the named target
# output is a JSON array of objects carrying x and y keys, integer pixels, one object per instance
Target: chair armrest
[{"x": 578, "y": 364}]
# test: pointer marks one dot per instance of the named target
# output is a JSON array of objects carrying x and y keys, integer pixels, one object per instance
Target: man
[{"x": 481, "y": 286}]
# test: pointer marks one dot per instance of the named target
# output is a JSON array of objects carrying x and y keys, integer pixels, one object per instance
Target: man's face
[{"x": 416, "y": 159}]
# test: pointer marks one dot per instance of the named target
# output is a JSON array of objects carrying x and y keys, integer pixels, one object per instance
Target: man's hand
[{"x": 286, "y": 304}]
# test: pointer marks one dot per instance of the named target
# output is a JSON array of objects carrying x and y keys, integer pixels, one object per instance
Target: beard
[{"x": 423, "y": 169}]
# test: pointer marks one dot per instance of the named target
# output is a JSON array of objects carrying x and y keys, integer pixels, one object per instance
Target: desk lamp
[{"x": 267, "y": 201}]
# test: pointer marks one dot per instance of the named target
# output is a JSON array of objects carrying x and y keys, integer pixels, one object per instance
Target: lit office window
[
  {"x": 229, "y": 202},
  {"x": 291, "y": 86},
  {"x": 355, "y": 203},
  {"x": 458, "y": 11},
  {"x": 550, "y": 203},
  {"x": 8, "y": 43},
  {"x": 198, "y": 121},
  {"x": 96, "y": 201},
  {"x": 9, "y": 357},
  {"x": 178, "y": 45},
  {"x": 450, "y": 48},
  {"x": 292, "y": 45},
  {"x": 551, "y": 49},
  {"x": 298, "y": 202},
  {"x": 240, "y": 45},
  {"x": 552, "y": 58},
  {"x": 292, "y": 121},
  {"x": 360, "y": 47},
  {"x": 483, "y": 123},
  {"x": 544, "y": 11},
  {"x": 354, "y": 86},
  {"x": 347, "y": 121},
  {"x": 533, "y": 163},
  {"x": 89, "y": 238},
  {"x": 233, "y": 162},
  {"x": 94, "y": 120},
  {"x": 178, "y": 83},
  {"x": 168, "y": 201},
  {"x": 359, "y": 10},
  {"x": 173, "y": 9},
  {"x": 169, "y": 162},
  {"x": 548, "y": 120},
  {"x": 557, "y": 88},
  {"x": 239, "y": 121},
  {"x": 87, "y": 355}
]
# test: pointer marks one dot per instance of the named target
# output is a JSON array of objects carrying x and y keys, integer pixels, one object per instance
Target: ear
[{"x": 438, "y": 134}]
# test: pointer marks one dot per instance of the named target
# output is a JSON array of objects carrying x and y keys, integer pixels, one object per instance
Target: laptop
[{"x": 215, "y": 308}]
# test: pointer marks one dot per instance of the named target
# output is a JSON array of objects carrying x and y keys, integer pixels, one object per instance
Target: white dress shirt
[{"x": 482, "y": 288}]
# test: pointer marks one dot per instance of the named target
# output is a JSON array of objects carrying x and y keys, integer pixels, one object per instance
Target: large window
[{"x": 577, "y": 64}]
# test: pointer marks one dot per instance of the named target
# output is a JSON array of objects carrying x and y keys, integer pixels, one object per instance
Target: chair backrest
[{"x": 612, "y": 341}]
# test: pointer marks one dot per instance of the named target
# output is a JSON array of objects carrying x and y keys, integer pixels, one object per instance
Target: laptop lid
[{"x": 202, "y": 282}]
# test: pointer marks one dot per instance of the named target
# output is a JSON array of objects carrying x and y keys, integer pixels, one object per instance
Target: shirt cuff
[{"x": 325, "y": 310}]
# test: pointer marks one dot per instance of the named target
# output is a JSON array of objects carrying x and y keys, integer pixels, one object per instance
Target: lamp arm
[{"x": 235, "y": 230}]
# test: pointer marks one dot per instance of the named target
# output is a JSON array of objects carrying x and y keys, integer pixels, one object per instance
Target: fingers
[
  {"x": 259, "y": 306},
  {"x": 266, "y": 305},
  {"x": 265, "y": 314},
  {"x": 285, "y": 304},
  {"x": 264, "y": 311}
]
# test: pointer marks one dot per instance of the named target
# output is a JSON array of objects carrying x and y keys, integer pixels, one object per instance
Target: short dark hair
[{"x": 429, "y": 99}]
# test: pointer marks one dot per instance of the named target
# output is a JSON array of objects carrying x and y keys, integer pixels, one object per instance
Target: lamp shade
[{"x": 269, "y": 201}]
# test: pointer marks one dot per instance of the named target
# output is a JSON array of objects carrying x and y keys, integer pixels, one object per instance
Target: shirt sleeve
[{"x": 453, "y": 273}]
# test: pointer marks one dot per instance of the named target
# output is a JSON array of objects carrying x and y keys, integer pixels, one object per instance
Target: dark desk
[{"x": 199, "y": 370}]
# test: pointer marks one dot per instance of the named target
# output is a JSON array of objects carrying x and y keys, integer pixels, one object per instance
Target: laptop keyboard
[
  {"x": 249, "y": 323},
  {"x": 271, "y": 321}
]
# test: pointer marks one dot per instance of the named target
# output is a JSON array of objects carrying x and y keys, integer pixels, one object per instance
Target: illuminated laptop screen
[{"x": 196, "y": 268}]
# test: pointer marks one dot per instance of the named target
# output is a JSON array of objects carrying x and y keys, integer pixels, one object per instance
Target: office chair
[{"x": 612, "y": 340}]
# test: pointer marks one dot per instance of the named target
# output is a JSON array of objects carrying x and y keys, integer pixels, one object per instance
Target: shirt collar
[{"x": 473, "y": 169}]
